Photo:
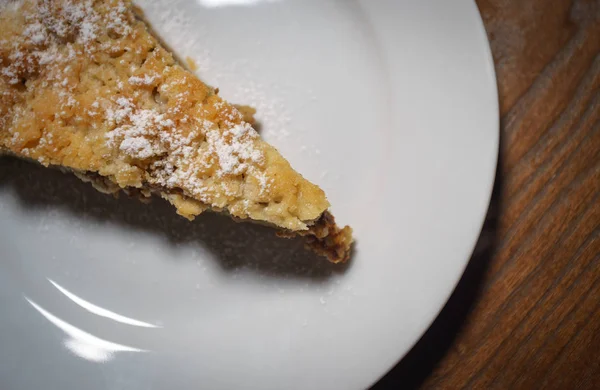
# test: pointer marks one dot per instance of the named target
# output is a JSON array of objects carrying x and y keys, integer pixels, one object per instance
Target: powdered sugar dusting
[
  {"x": 138, "y": 147},
  {"x": 72, "y": 15},
  {"x": 136, "y": 130},
  {"x": 177, "y": 157},
  {"x": 234, "y": 148},
  {"x": 264, "y": 181},
  {"x": 54, "y": 33},
  {"x": 144, "y": 80}
]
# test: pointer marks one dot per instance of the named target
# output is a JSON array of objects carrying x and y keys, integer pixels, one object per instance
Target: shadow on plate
[
  {"x": 235, "y": 245},
  {"x": 418, "y": 364}
]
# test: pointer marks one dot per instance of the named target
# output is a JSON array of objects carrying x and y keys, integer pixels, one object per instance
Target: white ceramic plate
[{"x": 390, "y": 106}]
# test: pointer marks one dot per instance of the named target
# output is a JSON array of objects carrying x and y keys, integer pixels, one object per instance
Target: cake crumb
[{"x": 191, "y": 64}]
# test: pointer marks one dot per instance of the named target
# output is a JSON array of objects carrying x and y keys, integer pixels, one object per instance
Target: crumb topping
[{"x": 83, "y": 84}]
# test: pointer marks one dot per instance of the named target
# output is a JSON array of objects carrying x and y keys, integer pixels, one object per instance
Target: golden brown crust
[{"x": 86, "y": 86}]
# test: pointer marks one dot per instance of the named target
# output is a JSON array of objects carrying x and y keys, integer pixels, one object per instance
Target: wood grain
[{"x": 526, "y": 314}]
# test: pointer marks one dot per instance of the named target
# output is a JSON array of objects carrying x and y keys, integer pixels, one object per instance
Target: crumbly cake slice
[{"x": 85, "y": 86}]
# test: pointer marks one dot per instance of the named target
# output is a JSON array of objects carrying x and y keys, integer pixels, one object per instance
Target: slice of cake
[{"x": 85, "y": 86}]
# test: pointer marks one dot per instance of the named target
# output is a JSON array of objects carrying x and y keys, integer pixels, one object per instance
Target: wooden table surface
[{"x": 526, "y": 314}]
